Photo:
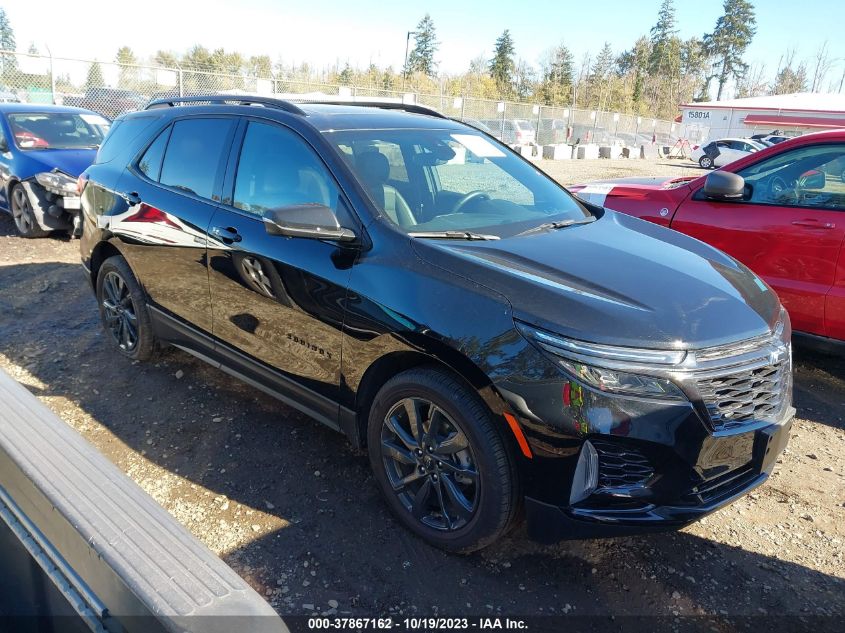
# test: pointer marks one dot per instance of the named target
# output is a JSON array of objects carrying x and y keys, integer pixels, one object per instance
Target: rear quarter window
[{"x": 123, "y": 132}]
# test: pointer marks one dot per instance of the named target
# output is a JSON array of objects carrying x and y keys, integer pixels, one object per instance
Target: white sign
[
  {"x": 699, "y": 116},
  {"x": 536, "y": 109},
  {"x": 344, "y": 91},
  {"x": 593, "y": 115},
  {"x": 500, "y": 107},
  {"x": 616, "y": 116},
  {"x": 264, "y": 86},
  {"x": 457, "y": 103},
  {"x": 566, "y": 113}
]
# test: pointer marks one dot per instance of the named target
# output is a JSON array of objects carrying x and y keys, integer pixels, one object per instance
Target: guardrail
[{"x": 118, "y": 559}]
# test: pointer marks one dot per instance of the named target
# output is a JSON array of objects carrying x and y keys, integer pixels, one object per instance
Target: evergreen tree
[
  {"x": 345, "y": 76},
  {"x": 790, "y": 78},
  {"x": 421, "y": 58},
  {"x": 167, "y": 59},
  {"x": 634, "y": 63},
  {"x": 127, "y": 72},
  {"x": 728, "y": 41},
  {"x": 95, "y": 77},
  {"x": 556, "y": 86},
  {"x": 664, "y": 35},
  {"x": 502, "y": 67},
  {"x": 8, "y": 63}
]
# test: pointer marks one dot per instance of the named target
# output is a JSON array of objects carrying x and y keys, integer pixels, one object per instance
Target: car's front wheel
[
  {"x": 706, "y": 162},
  {"x": 23, "y": 214},
  {"x": 444, "y": 469},
  {"x": 123, "y": 310}
]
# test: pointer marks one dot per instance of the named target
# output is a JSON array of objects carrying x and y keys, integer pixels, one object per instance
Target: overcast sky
[{"x": 359, "y": 31}]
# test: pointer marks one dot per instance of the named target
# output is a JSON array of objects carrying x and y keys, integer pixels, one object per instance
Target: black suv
[{"x": 500, "y": 347}]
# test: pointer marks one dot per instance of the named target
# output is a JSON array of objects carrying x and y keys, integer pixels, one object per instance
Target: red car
[{"x": 780, "y": 211}]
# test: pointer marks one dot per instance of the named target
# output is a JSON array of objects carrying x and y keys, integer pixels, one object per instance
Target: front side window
[
  {"x": 57, "y": 130},
  {"x": 194, "y": 155},
  {"x": 803, "y": 177},
  {"x": 278, "y": 169},
  {"x": 458, "y": 180}
]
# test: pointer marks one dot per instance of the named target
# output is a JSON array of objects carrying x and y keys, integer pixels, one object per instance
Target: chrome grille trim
[{"x": 748, "y": 395}]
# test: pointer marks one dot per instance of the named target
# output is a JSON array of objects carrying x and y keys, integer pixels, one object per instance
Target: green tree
[
  {"x": 634, "y": 64},
  {"x": 260, "y": 66},
  {"x": 790, "y": 77},
  {"x": 502, "y": 67},
  {"x": 345, "y": 76},
  {"x": 95, "y": 77},
  {"x": 8, "y": 63},
  {"x": 664, "y": 35},
  {"x": 556, "y": 85},
  {"x": 421, "y": 58},
  {"x": 198, "y": 58},
  {"x": 127, "y": 73},
  {"x": 728, "y": 41},
  {"x": 167, "y": 59},
  {"x": 524, "y": 80}
]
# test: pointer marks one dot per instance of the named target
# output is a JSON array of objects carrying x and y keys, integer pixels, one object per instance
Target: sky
[{"x": 324, "y": 33}]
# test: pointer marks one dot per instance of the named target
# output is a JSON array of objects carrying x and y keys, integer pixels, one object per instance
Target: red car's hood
[{"x": 628, "y": 194}]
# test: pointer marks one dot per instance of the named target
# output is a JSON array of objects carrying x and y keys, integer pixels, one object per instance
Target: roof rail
[
  {"x": 281, "y": 104},
  {"x": 374, "y": 103}
]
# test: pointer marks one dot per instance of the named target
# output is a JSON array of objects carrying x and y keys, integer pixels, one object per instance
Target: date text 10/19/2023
[{"x": 417, "y": 624}]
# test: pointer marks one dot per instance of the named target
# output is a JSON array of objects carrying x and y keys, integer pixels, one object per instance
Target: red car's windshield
[{"x": 58, "y": 130}]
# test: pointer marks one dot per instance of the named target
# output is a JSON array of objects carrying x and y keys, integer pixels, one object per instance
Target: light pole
[{"x": 405, "y": 66}]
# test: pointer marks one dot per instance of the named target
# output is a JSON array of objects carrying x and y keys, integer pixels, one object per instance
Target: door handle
[
  {"x": 814, "y": 224},
  {"x": 132, "y": 198},
  {"x": 226, "y": 234}
]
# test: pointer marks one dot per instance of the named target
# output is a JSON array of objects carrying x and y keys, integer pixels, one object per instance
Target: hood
[
  {"x": 635, "y": 188},
  {"x": 620, "y": 281},
  {"x": 70, "y": 161}
]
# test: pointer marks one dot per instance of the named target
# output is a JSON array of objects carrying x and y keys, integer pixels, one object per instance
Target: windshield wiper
[
  {"x": 453, "y": 235},
  {"x": 560, "y": 224}
]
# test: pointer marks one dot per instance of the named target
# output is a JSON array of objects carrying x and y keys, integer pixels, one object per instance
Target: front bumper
[{"x": 607, "y": 515}]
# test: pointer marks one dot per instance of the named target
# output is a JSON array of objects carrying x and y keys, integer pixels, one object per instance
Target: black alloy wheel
[
  {"x": 123, "y": 310},
  {"x": 442, "y": 460},
  {"x": 429, "y": 464},
  {"x": 119, "y": 311}
]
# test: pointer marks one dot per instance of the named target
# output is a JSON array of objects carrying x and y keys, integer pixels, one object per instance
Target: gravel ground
[{"x": 295, "y": 511}]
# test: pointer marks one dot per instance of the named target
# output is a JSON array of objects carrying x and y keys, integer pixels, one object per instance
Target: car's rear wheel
[
  {"x": 123, "y": 310},
  {"x": 23, "y": 214},
  {"x": 442, "y": 466},
  {"x": 706, "y": 162}
]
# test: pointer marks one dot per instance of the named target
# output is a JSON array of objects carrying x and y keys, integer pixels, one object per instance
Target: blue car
[{"x": 43, "y": 149}]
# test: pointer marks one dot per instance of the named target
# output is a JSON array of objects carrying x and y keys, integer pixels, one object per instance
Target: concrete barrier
[
  {"x": 560, "y": 151},
  {"x": 587, "y": 151}
]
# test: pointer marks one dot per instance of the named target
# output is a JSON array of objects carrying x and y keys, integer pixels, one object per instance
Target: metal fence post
[
  {"x": 52, "y": 77},
  {"x": 539, "y": 118},
  {"x": 181, "y": 83}
]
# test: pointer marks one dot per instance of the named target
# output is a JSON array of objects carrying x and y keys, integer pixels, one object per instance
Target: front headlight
[
  {"x": 605, "y": 367},
  {"x": 57, "y": 182}
]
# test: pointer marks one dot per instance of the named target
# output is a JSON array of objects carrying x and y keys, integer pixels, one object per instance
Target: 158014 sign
[{"x": 698, "y": 114}]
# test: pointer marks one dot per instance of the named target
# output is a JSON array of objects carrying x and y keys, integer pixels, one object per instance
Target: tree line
[{"x": 658, "y": 71}]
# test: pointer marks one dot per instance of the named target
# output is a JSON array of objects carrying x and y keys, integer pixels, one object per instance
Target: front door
[
  {"x": 788, "y": 228},
  {"x": 279, "y": 300}
]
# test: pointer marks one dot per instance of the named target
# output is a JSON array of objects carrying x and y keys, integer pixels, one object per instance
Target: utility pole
[{"x": 405, "y": 66}]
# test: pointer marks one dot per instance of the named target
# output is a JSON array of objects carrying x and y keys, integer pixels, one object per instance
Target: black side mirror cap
[
  {"x": 724, "y": 185},
  {"x": 309, "y": 220}
]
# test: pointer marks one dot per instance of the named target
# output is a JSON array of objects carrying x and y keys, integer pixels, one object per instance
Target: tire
[
  {"x": 26, "y": 223},
  {"x": 123, "y": 310},
  {"x": 706, "y": 162},
  {"x": 458, "y": 489}
]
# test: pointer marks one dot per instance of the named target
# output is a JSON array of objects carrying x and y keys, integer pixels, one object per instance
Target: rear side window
[
  {"x": 150, "y": 163},
  {"x": 122, "y": 132},
  {"x": 194, "y": 155}
]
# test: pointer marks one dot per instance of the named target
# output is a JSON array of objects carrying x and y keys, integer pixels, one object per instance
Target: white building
[{"x": 793, "y": 114}]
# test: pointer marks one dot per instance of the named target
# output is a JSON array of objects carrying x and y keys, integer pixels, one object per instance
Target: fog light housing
[{"x": 586, "y": 476}]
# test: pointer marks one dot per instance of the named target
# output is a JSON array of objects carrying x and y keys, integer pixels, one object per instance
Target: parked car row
[{"x": 500, "y": 347}]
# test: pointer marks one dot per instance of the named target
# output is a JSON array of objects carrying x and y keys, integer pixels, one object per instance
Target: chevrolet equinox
[{"x": 500, "y": 348}]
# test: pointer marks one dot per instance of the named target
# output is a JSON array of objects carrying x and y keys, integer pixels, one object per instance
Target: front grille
[
  {"x": 720, "y": 487},
  {"x": 735, "y": 399},
  {"x": 621, "y": 465}
]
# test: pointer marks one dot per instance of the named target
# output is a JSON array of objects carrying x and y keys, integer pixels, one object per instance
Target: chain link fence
[{"x": 112, "y": 89}]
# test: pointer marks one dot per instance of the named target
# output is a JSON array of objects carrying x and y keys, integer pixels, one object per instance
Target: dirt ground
[{"x": 295, "y": 511}]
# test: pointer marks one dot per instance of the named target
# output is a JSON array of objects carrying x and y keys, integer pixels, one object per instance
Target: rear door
[
  {"x": 173, "y": 191},
  {"x": 279, "y": 300},
  {"x": 788, "y": 229}
]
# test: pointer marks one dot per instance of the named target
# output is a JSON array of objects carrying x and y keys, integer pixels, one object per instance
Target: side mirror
[
  {"x": 813, "y": 179},
  {"x": 308, "y": 220},
  {"x": 723, "y": 185}
]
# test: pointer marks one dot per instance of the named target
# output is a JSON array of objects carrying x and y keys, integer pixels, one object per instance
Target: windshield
[
  {"x": 58, "y": 130},
  {"x": 453, "y": 180}
]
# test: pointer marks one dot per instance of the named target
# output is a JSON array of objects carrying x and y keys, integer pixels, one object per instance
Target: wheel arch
[
  {"x": 449, "y": 360},
  {"x": 101, "y": 252}
]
